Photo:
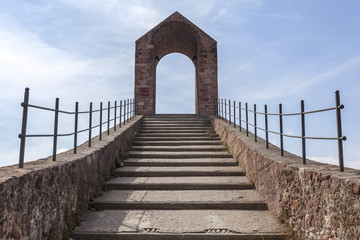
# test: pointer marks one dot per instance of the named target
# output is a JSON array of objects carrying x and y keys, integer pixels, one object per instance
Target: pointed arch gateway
[{"x": 176, "y": 34}]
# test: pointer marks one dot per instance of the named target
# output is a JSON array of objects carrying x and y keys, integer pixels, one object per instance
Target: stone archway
[{"x": 176, "y": 34}]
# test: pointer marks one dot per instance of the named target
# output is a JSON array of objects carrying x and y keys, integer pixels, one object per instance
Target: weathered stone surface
[
  {"x": 176, "y": 34},
  {"x": 317, "y": 200},
  {"x": 45, "y": 198}
]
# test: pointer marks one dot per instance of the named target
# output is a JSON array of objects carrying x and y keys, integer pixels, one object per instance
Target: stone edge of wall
[
  {"x": 45, "y": 199},
  {"x": 315, "y": 200}
]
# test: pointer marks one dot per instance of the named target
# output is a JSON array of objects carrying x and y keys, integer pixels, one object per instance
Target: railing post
[
  {"x": 22, "y": 135},
  {"x": 229, "y": 112},
  {"x": 240, "y": 116},
  {"x": 132, "y": 108},
  {"x": 56, "y": 122},
  {"x": 281, "y": 130},
  {"x": 100, "y": 126},
  {"x": 303, "y": 132},
  {"x": 128, "y": 110},
  {"x": 255, "y": 126},
  {"x": 76, "y": 125},
  {"x": 124, "y": 111},
  {"x": 247, "y": 119},
  {"x": 339, "y": 130},
  {"x": 218, "y": 107},
  {"x": 115, "y": 107},
  {"x": 234, "y": 116},
  {"x": 108, "y": 119},
  {"x": 120, "y": 113},
  {"x": 225, "y": 109},
  {"x": 222, "y": 109},
  {"x": 266, "y": 128},
  {"x": 90, "y": 123}
]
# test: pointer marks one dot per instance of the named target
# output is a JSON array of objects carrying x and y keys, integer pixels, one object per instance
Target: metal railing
[
  {"x": 227, "y": 111},
  {"x": 127, "y": 111}
]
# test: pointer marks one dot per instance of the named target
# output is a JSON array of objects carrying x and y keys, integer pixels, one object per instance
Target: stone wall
[
  {"x": 45, "y": 199},
  {"x": 315, "y": 200}
]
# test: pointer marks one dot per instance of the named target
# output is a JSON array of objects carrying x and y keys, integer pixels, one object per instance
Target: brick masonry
[
  {"x": 315, "y": 200},
  {"x": 45, "y": 198},
  {"x": 176, "y": 34}
]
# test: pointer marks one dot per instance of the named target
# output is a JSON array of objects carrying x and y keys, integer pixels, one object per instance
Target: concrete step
[
  {"x": 187, "y": 148},
  {"x": 166, "y": 134},
  {"x": 159, "y": 154},
  {"x": 175, "y": 128},
  {"x": 170, "y": 124},
  {"x": 190, "y": 199},
  {"x": 179, "y": 183},
  {"x": 179, "y": 225},
  {"x": 175, "y": 143},
  {"x": 143, "y": 171},
  {"x": 204, "y": 138},
  {"x": 173, "y": 131},
  {"x": 165, "y": 162},
  {"x": 159, "y": 121}
]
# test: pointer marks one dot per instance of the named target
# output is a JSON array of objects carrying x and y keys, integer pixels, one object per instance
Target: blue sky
[{"x": 268, "y": 51}]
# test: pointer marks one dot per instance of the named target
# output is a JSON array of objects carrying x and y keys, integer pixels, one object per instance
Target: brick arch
[{"x": 176, "y": 34}]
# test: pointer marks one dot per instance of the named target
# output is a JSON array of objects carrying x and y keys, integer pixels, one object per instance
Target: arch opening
[
  {"x": 175, "y": 84},
  {"x": 176, "y": 34}
]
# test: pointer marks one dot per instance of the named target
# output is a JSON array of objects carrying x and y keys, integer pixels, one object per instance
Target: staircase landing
[{"x": 179, "y": 183}]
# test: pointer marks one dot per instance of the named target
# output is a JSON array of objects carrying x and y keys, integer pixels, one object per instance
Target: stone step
[
  {"x": 175, "y": 128},
  {"x": 173, "y": 131},
  {"x": 175, "y": 143},
  {"x": 187, "y": 148},
  {"x": 206, "y": 138},
  {"x": 190, "y": 199},
  {"x": 165, "y": 162},
  {"x": 144, "y": 171},
  {"x": 179, "y": 183},
  {"x": 208, "y": 125},
  {"x": 159, "y": 154},
  {"x": 175, "y": 121},
  {"x": 179, "y": 225},
  {"x": 166, "y": 134}
]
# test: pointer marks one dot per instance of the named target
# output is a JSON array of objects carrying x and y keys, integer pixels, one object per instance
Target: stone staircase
[{"x": 179, "y": 183}]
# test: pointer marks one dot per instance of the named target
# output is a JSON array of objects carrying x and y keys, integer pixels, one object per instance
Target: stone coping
[
  {"x": 45, "y": 199},
  {"x": 316, "y": 200}
]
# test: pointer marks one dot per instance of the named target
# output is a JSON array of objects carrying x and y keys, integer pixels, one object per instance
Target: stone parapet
[
  {"x": 315, "y": 200},
  {"x": 45, "y": 199}
]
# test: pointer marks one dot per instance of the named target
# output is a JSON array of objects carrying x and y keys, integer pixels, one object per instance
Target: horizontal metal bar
[{"x": 43, "y": 108}]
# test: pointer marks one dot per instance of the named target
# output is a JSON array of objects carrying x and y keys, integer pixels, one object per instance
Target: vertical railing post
[
  {"x": 339, "y": 130},
  {"x": 255, "y": 125},
  {"x": 76, "y": 125},
  {"x": 234, "y": 115},
  {"x": 124, "y": 111},
  {"x": 281, "y": 130},
  {"x": 222, "y": 109},
  {"x": 225, "y": 109},
  {"x": 115, "y": 107},
  {"x": 120, "y": 113},
  {"x": 132, "y": 108},
  {"x": 219, "y": 107},
  {"x": 128, "y": 110},
  {"x": 100, "y": 125},
  {"x": 240, "y": 116},
  {"x": 90, "y": 123},
  {"x": 247, "y": 119},
  {"x": 229, "y": 112},
  {"x": 56, "y": 124},
  {"x": 22, "y": 135},
  {"x": 108, "y": 118},
  {"x": 303, "y": 132},
  {"x": 266, "y": 128}
]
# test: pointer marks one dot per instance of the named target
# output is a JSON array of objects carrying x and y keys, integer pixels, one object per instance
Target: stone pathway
[{"x": 179, "y": 183}]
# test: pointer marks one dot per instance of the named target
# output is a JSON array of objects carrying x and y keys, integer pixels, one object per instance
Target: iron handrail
[
  {"x": 222, "y": 105},
  {"x": 128, "y": 111}
]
